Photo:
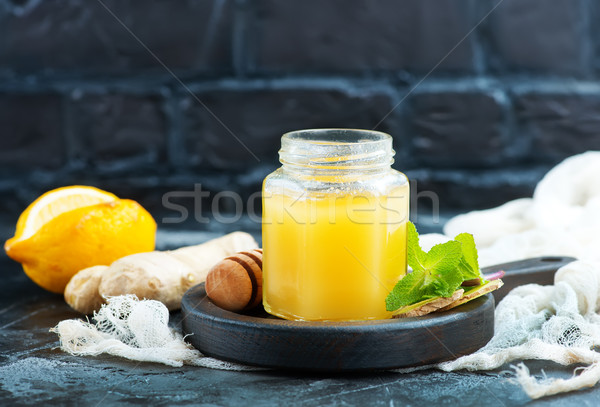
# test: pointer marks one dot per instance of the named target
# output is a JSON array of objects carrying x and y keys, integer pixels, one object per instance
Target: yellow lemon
[{"x": 72, "y": 228}]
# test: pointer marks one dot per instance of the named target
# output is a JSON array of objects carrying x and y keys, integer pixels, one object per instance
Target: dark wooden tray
[{"x": 260, "y": 339}]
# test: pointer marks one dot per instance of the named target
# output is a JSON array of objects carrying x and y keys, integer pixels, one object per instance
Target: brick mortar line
[
  {"x": 442, "y": 173},
  {"x": 467, "y": 83}
]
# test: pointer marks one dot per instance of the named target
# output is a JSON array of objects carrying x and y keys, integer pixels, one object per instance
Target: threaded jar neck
[{"x": 336, "y": 150}]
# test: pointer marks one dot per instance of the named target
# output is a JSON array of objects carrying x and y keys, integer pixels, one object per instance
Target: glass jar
[{"x": 334, "y": 226}]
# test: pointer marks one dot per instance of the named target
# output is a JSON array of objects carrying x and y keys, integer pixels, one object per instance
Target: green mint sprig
[{"x": 437, "y": 273}]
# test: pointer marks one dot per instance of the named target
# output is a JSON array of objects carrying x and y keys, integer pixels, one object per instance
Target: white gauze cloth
[
  {"x": 559, "y": 323},
  {"x": 136, "y": 330}
]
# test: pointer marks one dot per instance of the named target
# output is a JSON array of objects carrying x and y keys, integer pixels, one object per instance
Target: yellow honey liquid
[{"x": 333, "y": 257}]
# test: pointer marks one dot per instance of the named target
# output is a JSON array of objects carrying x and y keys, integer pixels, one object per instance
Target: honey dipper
[{"x": 235, "y": 283}]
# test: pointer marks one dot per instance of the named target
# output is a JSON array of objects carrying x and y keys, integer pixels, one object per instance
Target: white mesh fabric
[
  {"x": 558, "y": 323},
  {"x": 136, "y": 330}
]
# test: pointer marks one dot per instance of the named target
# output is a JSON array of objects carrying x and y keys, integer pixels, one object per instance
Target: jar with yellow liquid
[{"x": 334, "y": 226}]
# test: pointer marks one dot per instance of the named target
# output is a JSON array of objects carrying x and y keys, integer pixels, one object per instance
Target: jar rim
[
  {"x": 336, "y": 149},
  {"x": 343, "y": 136}
]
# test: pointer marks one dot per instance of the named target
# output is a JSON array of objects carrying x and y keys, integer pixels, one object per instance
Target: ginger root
[
  {"x": 81, "y": 292},
  {"x": 162, "y": 276}
]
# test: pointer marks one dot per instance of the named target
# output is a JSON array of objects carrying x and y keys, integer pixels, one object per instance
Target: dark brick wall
[
  {"x": 337, "y": 36},
  {"x": 144, "y": 97}
]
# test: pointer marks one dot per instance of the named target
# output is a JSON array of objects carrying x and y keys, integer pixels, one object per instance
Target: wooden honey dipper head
[{"x": 235, "y": 283}]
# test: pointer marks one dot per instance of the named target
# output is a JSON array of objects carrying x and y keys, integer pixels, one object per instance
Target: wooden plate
[{"x": 262, "y": 340}]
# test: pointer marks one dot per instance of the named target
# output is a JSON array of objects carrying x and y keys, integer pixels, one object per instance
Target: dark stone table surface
[{"x": 34, "y": 371}]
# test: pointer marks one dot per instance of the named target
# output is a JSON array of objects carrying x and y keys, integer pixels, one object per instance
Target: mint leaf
[
  {"x": 468, "y": 248},
  {"x": 443, "y": 256},
  {"x": 407, "y": 291},
  {"x": 414, "y": 252},
  {"x": 435, "y": 273},
  {"x": 444, "y": 276},
  {"x": 469, "y": 264}
]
